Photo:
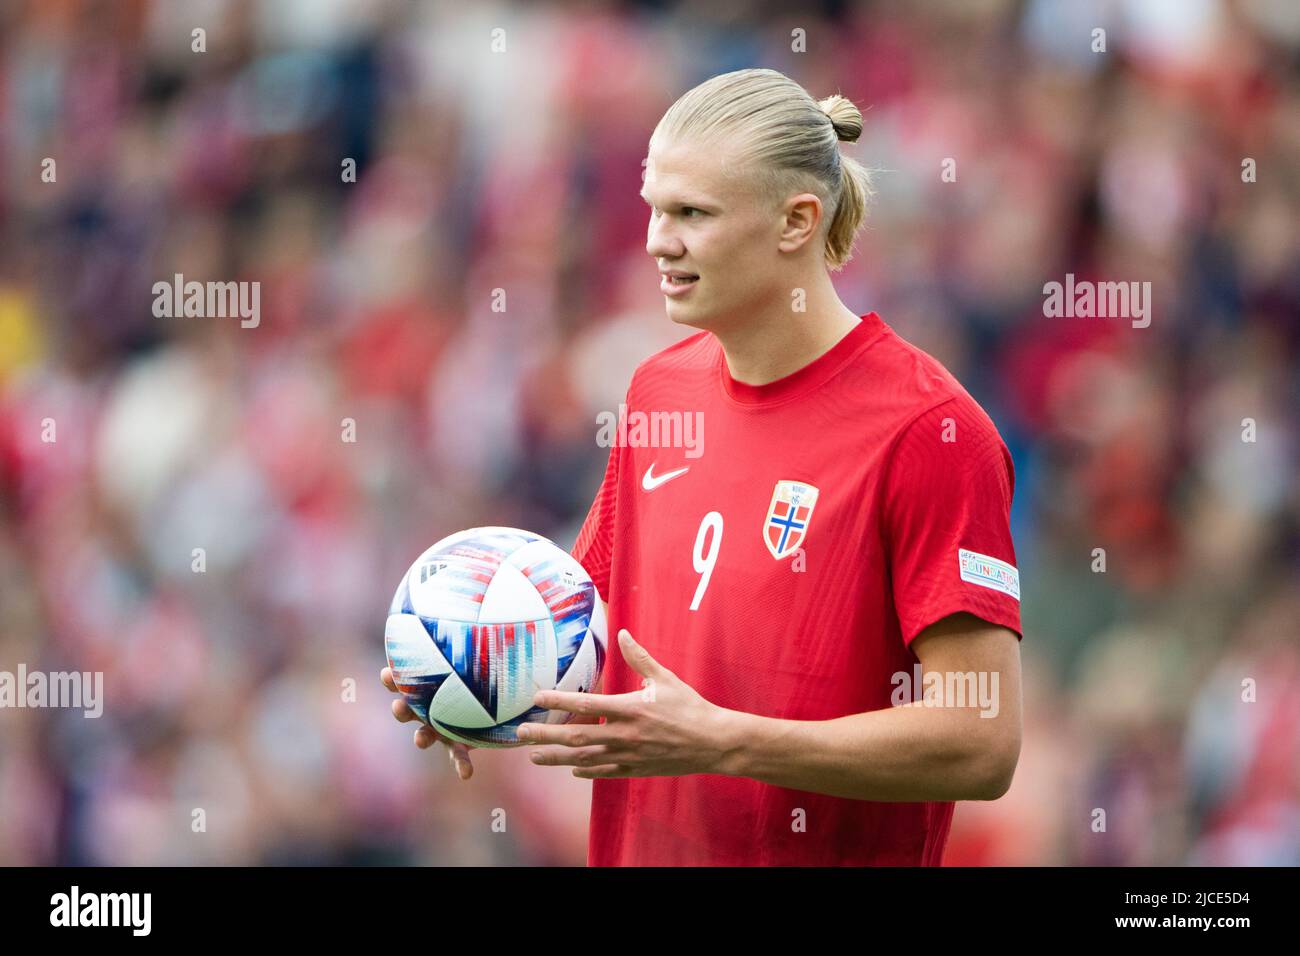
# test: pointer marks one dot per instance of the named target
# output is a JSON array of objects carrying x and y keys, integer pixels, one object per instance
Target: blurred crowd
[{"x": 215, "y": 516}]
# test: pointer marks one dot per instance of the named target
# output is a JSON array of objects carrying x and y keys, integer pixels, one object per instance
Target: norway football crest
[{"x": 786, "y": 524}]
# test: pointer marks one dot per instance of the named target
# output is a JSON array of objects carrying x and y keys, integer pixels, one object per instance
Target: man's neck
[{"x": 771, "y": 347}]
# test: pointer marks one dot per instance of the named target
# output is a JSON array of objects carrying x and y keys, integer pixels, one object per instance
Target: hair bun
[{"x": 844, "y": 116}]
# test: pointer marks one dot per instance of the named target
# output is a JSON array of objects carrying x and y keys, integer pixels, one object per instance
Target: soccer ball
[{"x": 482, "y": 621}]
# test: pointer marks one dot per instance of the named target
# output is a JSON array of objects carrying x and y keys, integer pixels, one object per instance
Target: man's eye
[{"x": 685, "y": 211}]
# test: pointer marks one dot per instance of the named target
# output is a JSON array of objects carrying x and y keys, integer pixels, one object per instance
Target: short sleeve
[
  {"x": 946, "y": 508},
  {"x": 594, "y": 549}
]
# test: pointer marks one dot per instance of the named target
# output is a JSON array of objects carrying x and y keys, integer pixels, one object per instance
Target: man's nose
[{"x": 661, "y": 242}]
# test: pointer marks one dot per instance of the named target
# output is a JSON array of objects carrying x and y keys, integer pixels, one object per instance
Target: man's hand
[
  {"x": 426, "y": 736},
  {"x": 664, "y": 730}
]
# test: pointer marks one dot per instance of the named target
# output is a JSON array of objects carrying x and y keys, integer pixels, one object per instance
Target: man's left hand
[{"x": 665, "y": 729}]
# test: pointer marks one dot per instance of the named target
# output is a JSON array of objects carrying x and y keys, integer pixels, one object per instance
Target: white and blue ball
[{"x": 485, "y": 619}]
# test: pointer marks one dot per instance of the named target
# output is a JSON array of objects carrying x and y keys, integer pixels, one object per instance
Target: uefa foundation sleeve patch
[{"x": 988, "y": 572}]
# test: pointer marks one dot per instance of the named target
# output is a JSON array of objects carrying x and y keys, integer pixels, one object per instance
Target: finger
[
  {"x": 570, "y": 735},
  {"x": 460, "y": 760},
  {"x": 402, "y": 711},
  {"x": 386, "y": 678},
  {"x": 603, "y": 772},
  {"x": 572, "y": 757},
  {"x": 458, "y": 753},
  {"x": 638, "y": 658},
  {"x": 588, "y": 705}
]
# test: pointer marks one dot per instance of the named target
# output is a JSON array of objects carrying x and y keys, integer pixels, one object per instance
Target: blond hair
[{"x": 786, "y": 138}]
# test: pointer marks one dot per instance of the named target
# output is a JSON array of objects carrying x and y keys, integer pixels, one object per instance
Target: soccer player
[{"x": 843, "y": 528}]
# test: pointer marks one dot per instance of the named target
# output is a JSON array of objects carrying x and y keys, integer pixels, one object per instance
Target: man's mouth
[{"x": 677, "y": 285}]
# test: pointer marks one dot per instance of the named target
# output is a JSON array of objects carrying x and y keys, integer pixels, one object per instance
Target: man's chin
[{"x": 682, "y": 314}]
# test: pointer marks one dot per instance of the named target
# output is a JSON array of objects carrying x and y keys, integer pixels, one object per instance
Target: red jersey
[{"x": 781, "y": 564}]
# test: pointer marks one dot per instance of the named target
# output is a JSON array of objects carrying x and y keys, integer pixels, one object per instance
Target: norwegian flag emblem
[{"x": 788, "y": 516}]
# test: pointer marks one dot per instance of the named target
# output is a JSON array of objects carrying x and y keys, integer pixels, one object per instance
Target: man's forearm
[{"x": 898, "y": 754}]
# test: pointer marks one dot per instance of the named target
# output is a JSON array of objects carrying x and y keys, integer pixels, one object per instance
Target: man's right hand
[{"x": 426, "y": 736}]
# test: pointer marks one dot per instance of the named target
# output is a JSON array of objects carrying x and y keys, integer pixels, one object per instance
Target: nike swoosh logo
[{"x": 651, "y": 481}]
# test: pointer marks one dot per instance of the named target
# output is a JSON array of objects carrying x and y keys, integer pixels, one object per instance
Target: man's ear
[{"x": 802, "y": 216}]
